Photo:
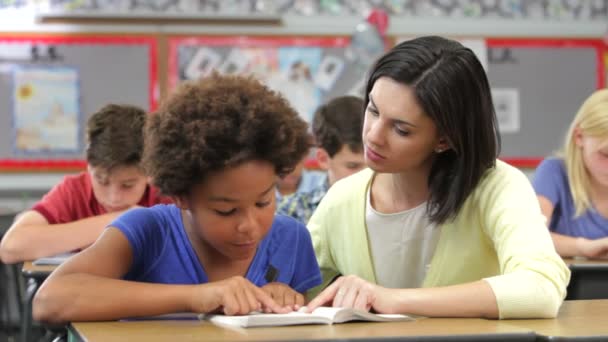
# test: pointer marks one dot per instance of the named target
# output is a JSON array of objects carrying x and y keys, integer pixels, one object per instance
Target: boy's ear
[
  {"x": 322, "y": 158},
  {"x": 181, "y": 202}
]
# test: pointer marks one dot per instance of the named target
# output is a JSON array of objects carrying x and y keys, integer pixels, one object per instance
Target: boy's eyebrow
[
  {"x": 398, "y": 121},
  {"x": 228, "y": 199}
]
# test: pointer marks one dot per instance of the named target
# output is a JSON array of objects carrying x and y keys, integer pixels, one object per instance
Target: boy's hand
[
  {"x": 233, "y": 296},
  {"x": 284, "y": 295}
]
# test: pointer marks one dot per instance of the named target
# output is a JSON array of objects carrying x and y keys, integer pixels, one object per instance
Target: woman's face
[
  {"x": 595, "y": 157},
  {"x": 233, "y": 210},
  {"x": 398, "y": 136}
]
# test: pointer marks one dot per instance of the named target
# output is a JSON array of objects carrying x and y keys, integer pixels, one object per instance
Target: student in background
[
  {"x": 573, "y": 188},
  {"x": 437, "y": 226},
  {"x": 299, "y": 180},
  {"x": 221, "y": 247},
  {"x": 74, "y": 213},
  {"x": 337, "y": 129}
]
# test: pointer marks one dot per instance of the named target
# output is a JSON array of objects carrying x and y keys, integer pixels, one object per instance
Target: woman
[{"x": 436, "y": 226}]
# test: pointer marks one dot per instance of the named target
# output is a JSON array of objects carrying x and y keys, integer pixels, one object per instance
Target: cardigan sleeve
[
  {"x": 317, "y": 226},
  {"x": 533, "y": 277}
]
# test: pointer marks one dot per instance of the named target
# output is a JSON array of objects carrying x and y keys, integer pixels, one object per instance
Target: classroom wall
[{"x": 468, "y": 19}]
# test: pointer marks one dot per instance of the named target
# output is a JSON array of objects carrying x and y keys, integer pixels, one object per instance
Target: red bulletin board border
[
  {"x": 598, "y": 44},
  {"x": 244, "y": 41},
  {"x": 61, "y": 165}
]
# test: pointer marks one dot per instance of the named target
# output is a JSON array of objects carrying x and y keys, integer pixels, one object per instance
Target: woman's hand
[{"x": 354, "y": 292}]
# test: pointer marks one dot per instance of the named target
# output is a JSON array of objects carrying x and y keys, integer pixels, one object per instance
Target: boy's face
[
  {"x": 289, "y": 183},
  {"x": 233, "y": 210},
  {"x": 342, "y": 164},
  {"x": 120, "y": 188}
]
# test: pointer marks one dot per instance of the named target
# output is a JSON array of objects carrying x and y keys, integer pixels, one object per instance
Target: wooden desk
[
  {"x": 581, "y": 320},
  {"x": 578, "y": 320},
  {"x": 429, "y": 329},
  {"x": 589, "y": 279}
]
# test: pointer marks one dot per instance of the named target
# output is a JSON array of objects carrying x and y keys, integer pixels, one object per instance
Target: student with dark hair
[
  {"x": 437, "y": 226},
  {"x": 74, "y": 213},
  {"x": 220, "y": 248},
  {"x": 337, "y": 128}
]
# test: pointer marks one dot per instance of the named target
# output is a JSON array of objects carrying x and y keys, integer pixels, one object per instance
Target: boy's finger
[
  {"x": 289, "y": 298},
  {"x": 268, "y": 302},
  {"x": 253, "y": 303},
  {"x": 300, "y": 300}
]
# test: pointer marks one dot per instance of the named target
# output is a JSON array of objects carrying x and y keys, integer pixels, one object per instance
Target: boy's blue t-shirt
[
  {"x": 162, "y": 252},
  {"x": 551, "y": 181}
]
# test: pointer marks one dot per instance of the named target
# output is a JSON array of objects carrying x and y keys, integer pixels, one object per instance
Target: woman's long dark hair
[{"x": 451, "y": 87}]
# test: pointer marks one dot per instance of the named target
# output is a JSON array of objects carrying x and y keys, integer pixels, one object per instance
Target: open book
[
  {"x": 321, "y": 315},
  {"x": 53, "y": 260}
]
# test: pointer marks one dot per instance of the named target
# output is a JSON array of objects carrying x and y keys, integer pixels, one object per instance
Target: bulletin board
[
  {"x": 308, "y": 71},
  {"x": 538, "y": 86},
  {"x": 51, "y": 84}
]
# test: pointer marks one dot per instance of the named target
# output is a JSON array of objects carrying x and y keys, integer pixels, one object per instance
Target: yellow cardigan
[{"x": 499, "y": 235}]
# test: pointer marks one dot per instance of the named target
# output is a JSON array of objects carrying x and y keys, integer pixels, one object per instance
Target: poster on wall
[
  {"x": 51, "y": 84},
  {"x": 506, "y": 105},
  {"x": 307, "y": 71},
  {"x": 46, "y": 110}
]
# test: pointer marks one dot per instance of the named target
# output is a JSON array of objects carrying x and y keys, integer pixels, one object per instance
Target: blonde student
[
  {"x": 220, "y": 247},
  {"x": 437, "y": 226},
  {"x": 572, "y": 187},
  {"x": 74, "y": 213}
]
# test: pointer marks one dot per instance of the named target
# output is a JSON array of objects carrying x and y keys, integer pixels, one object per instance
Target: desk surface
[
  {"x": 584, "y": 318},
  {"x": 586, "y": 262},
  {"x": 441, "y": 329},
  {"x": 30, "y": 270},
  {"x": 580, "y": 318}
]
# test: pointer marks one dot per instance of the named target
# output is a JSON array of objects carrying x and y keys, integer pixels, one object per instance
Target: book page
[{"x": 53, "y": 260}]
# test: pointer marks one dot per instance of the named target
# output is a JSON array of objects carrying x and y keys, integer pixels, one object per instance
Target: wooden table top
[
  {"x": 192, "y": 330},
  {"x": 583, "y": 318}
]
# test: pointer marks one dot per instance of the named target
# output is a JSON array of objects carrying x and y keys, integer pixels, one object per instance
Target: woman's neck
[{"x": 395, "y": 192}]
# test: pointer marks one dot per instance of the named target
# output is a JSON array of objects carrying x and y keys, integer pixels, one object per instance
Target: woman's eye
[
  {"x": 401, "y": 132},
  {"x": 372, "y": 112}
]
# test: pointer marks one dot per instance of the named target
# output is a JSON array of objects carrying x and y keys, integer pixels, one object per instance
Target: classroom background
[{"x": 61, "y": 60}]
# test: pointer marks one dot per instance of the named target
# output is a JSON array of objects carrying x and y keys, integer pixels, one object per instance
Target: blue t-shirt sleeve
[
  {"x": 549, "y": 178},
  {"x": 144, "y": 232}
]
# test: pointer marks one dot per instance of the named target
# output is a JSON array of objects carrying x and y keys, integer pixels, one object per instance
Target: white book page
[{"x": 53, "y": 260}]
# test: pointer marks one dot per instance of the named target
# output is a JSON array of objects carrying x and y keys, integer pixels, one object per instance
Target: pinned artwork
[
  {"x": 46, "y": 110},
  {"x": 307, "y": 71}
]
